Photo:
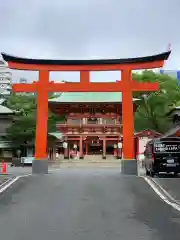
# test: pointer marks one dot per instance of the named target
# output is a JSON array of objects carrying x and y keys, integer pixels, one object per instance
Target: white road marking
[
  {"x": 152, "y": 184},
  {"x": 164, "y": 190},
  {"x": 55, "y": 169},
  {"x": 25, "y": 175},
  {"x": 8, "y": 184}
]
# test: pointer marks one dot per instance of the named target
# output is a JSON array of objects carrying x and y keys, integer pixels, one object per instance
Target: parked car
[
  {"x": 162, "y": 155},
  {"x": 27, "y": 160},
  {"x": 16, "y": 162}
]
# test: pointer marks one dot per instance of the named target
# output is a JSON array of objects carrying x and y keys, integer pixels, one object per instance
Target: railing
[{"x": 89, "y": 125}]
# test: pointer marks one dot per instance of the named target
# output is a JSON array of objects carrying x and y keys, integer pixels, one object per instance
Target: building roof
[
  {"x": 148, "y": 132},
  {"x": 5, "y": 110},
  {"x": 2, "y": 100},
  {"x": 89, "y": 97},
  {"x": 5, "y": 144},
  {"x": 172, "y": 131},
  {"x": 57, "y": 135},
  {"x": 174, "y": 111},
  {"x": 158, "y": 57}
]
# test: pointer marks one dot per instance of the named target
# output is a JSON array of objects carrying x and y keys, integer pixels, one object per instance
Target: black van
[{"x": 162, "y": 155}]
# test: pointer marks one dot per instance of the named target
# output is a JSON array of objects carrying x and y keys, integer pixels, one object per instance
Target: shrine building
[{"x": 93, "y": 123}]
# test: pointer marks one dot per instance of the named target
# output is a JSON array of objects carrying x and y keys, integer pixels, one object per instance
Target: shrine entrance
[
  {"x": 126, "y": 85},
  {"x": 94, "y": 146}
]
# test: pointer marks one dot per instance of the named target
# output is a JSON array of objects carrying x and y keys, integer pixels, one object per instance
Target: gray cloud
[{"x": 89, "y": 29}]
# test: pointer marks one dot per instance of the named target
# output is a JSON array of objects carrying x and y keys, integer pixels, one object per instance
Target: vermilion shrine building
[{"x": 93, "y": 123}]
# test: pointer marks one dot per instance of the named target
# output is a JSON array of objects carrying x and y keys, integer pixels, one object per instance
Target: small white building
[{"x": 142, "y": 138}]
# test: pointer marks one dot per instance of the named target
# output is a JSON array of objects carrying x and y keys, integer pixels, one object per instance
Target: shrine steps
[{"x": 88, "y": 161}]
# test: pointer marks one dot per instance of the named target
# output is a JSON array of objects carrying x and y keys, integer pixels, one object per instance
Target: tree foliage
[
  {"x": 153, "y": 107},
  {"x": 24, "y": 124},
  {"x": 150, "y": 113}
]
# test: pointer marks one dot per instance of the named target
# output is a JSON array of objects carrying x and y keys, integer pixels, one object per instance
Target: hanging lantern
[
  {"x": 65, "y": 144},
  {"x": 119, "y": 145},
  {"x": 115, "y": 146},
  {"x": 75, "y": 146}
]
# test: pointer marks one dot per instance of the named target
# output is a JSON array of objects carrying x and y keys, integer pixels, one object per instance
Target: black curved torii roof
[{"x": 153, "y": 58}]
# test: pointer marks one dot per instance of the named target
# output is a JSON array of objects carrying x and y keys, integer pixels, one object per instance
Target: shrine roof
[
  {"x": 88, "y": 97},
  {"x": 148, "y": 132},
  {"x": 152, "y": 58},
  {"x": 173, "y": 111},
  {"x": 57, "y": 135}
]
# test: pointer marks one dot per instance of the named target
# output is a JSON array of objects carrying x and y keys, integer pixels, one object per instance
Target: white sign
[
  {"x": 115, "y": 145},
  {"x": 74, "y": 146},
  {"x": 163, "y": 147}
]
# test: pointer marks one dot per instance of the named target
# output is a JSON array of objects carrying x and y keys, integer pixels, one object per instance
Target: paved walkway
[{"x": 86, "y": 204}]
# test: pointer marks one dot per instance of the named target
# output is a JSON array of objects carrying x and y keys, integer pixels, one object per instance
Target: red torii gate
[{"x": 127, "y": 86}]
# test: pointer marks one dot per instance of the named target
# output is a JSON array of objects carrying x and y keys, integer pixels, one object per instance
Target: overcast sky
[{"x": 73, "y": 29}]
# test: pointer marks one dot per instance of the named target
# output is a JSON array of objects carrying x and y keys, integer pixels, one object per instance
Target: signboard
[{"x": 167, "y": 147}]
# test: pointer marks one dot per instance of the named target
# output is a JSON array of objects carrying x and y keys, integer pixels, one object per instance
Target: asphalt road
[
  {"x": 3, "y": 179},
  {"x": 170, "y": 184},
  {"x": 85, "y": 204}
]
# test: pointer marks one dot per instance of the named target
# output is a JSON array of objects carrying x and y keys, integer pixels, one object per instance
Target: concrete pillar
[
  {"x": 54, "y": 153},
  {"x": 86, "y": 148},
  {"x": 66, "y": 152},
  {"x": 115, "y": 150},
  {"x": 104, "y": 149},
  {"x": 81, "y": 147},
  {"x": 119, "y": 150}
]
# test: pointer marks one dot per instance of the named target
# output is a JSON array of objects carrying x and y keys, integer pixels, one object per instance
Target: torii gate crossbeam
[{"x": 127, "y": 86}]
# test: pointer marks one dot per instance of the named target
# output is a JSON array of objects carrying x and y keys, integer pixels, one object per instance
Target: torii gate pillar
[{"x": 127, "y": 86}]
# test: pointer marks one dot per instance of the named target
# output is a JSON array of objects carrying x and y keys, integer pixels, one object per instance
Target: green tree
[
  {"x": 152, "y": 107},
  {"x": 24, "y": 124}
]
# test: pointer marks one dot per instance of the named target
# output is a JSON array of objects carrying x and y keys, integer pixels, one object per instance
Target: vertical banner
[{"x": 178, "y": 77}]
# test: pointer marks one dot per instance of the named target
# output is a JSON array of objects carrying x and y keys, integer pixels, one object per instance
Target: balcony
[
  {"x": 90, "y": 129},
  {"x": 89, "y": 125}
]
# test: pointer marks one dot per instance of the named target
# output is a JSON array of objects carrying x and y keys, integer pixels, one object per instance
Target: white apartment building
[{"x": 5, "y": 79}]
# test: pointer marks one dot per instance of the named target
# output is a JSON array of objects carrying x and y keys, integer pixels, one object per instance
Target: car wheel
[{"x": 152, "y": 174}]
